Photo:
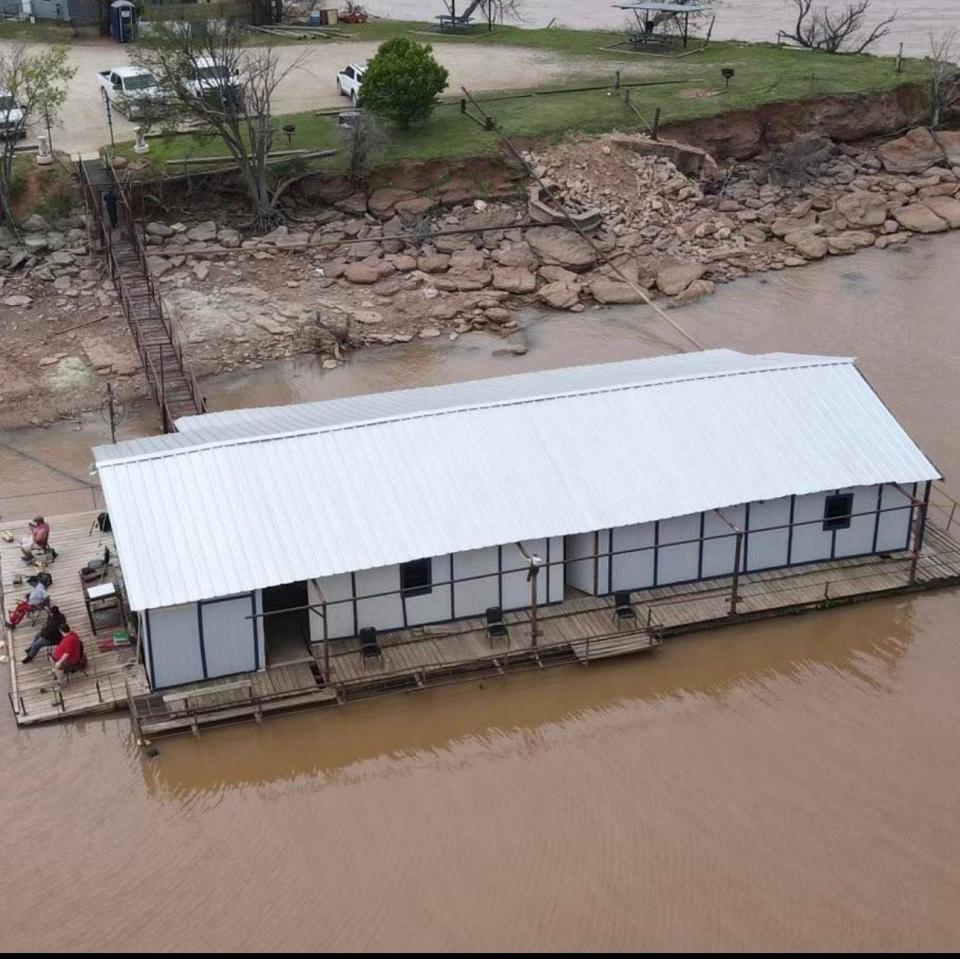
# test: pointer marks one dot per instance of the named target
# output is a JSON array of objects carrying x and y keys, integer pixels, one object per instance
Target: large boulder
[
  {"x": 949, "y": 142},
  {"x": 919, "y": 218},
  {"x": 561, "y": 247},
  {"x": 382, "y": 202},
  {"x": 945, "y": 207},
  {"x": 205, "y": 232},
  {"x": 605, "y": 289},
  {"x": 807, "y": 244},
  {"x": 914, "y": 153},
  {"x": 849, "y": 241},
  {"x": 513, "y": 279},
  {"x": 159, "y": 229},
  {"x": 560, "y": 295},
  {"x": 675, "y": 276},
  {"x": 433, "y": 262},
  {"x": 361, "y": 273},
  {"x": 34, "y": 224},
  {"x": 861, "y": 208}
]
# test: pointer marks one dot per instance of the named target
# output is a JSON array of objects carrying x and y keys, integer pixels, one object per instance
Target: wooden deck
[
  {"x": 579, "y": 630},
  {"x": 34, "y": 694}
]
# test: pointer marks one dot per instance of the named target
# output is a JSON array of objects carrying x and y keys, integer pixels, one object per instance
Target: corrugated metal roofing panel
[
  {"x": 272, "y": 420},
  {"x": 235, "y": 515}
]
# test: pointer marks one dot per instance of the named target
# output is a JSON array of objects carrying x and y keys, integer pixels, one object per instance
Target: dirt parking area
[{"x": 312, "y": 84}]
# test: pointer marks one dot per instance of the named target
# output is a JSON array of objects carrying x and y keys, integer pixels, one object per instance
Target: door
[{"x": 287, "y": 630}]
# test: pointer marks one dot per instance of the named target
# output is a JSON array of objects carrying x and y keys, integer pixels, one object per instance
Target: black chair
[
  {"x": 495, "y": 624},
  {"x": 622, "y": 608},
  {"x": 369, "y": 647}
]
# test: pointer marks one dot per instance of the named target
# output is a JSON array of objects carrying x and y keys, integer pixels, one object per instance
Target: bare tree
[
  {"x": 360, "y": 140},
  {"x": 944, "y": 88},
  {"x": 220, "y": 84},
  {"x": 838, "y": 31},
  {"x": 31, "y": 84}
]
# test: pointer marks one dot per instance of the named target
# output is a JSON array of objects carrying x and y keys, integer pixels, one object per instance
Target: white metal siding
[
  {"x": 719, "y": 552},
  {"x": 175, "y": 645},
  {"x": 766, "y": 550},
  {"x": 474, "y": 597},
  {"x": 434, "y": 606},
  {"x": 857, "y": 539},
  {"x": 677, "y": 564},
  {"x": 375, "y": 494},
  {"x": 229, "y": 636},
  {"x": 810, "y": 541},
  {"x": 632, "y": 570},
  {"x": 580, "y": 574},
  {"x": 894, "y": 529}
]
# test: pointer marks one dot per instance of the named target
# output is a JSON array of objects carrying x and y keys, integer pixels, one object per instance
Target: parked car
[
  {"x": 132, "y": 90},
  {"x": 211, "y": 77},
  {"x": 349, "y": 80},
  {"x": 13, "y": 118}
]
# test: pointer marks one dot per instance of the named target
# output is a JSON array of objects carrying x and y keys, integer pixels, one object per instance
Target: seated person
[
  {"x": 69, "y": 654},
  {"x": 38, "y": 541},
  {"x": 37, "y": 598},
  {"x": 49, "y": 635}
]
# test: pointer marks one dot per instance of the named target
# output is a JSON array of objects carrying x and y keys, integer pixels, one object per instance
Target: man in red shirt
[{"x": 69, "y": 653}]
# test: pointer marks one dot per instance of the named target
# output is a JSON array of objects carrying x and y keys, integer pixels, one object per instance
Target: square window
[
  {"x": 416, "y": 578},
  {"x": 836, "y": 511}
]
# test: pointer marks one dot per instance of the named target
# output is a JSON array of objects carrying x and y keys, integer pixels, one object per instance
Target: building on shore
[{"x": 251, "y": 529}]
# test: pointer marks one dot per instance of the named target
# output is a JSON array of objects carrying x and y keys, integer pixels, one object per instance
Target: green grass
[
  {"x": 764, "y": 73},
  {"x": 43, "y": 31}
]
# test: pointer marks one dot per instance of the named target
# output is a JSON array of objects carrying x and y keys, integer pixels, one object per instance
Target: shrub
[{"x": 402, "y": 81}]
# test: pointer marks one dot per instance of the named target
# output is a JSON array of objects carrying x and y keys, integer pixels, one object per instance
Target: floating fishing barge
[{"x": 328, "y": 552}]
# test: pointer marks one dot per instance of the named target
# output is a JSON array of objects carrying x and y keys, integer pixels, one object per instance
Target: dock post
[
  {"x": 921, "y": 525},
  {"x": 326, "y": 642},
  {"x": 532, "y": 576},
  {"x": 735, "y": 588}
]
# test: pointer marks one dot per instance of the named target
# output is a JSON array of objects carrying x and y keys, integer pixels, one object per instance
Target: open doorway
[{"x": 286, "y": 634}]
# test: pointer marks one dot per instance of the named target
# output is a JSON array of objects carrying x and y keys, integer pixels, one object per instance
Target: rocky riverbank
[{"x": 355, "y": 269}]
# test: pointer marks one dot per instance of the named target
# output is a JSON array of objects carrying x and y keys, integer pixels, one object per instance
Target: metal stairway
[{"x": 173, "y": 386}]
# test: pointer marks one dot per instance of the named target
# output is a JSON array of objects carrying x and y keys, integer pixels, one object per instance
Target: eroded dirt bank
[{"x": 434, "y": 253}]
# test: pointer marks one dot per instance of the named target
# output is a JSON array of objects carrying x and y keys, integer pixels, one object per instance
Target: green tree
[
  {"x": 34, "y": 87},
  {"x": 402, "y": 81}
]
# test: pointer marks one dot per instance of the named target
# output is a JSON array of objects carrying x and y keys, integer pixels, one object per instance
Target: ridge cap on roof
[{"x": 804, "y": 361}]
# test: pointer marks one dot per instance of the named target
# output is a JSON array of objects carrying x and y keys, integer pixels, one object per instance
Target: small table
[{"x": 102, "y": 597}]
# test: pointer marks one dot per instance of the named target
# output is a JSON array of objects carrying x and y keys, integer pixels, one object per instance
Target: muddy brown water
[{"x": 786, "y": 785}]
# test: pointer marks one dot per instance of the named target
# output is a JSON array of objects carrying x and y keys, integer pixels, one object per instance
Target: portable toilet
[{"x": 123, "y": 20}]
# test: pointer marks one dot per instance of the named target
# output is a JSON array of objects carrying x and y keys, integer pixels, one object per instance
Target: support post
[
  {"x": 616, "y": 82},
  {"x": 655, "y": 132},
  {"x": 326, "y": 642},
  {"x": 921, "y": 525},
  {"x": 735, "y": 588},
  {"x": 900, "y": 58},
  {"x": 534, "y": 573}
]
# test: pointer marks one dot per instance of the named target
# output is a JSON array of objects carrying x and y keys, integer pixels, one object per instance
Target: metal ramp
[{"x": 173, "y": 386}]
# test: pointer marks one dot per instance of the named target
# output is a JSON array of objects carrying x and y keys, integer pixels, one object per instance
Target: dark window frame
[
  {"x": 420, "y": 572},
  {"x": 837, "y": 511}
]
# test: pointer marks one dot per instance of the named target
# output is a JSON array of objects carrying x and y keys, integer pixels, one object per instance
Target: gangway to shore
[{"x": 173, "y": 385}]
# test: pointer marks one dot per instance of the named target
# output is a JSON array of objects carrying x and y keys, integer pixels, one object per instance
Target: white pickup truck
[
  {"x": 132, "y": 90},
  {"x": 208, "y": 76},
  {"x": 13, "y": 119}
]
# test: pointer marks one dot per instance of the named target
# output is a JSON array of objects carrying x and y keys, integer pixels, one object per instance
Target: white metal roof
[{"x": 325, "y": 488}]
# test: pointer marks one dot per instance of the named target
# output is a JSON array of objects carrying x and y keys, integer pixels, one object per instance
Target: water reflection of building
[{"x": 865, "y": 644}]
